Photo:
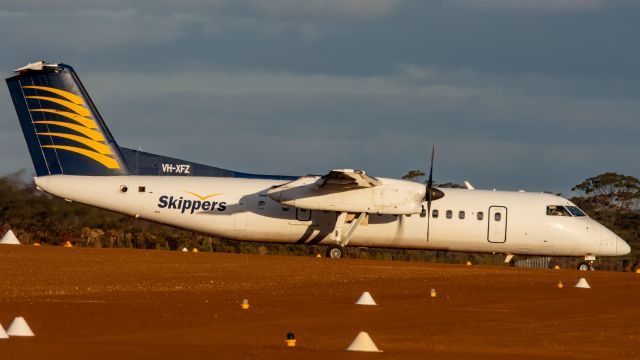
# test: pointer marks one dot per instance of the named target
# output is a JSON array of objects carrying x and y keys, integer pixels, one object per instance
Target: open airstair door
[{"x": 497, "y": 232}]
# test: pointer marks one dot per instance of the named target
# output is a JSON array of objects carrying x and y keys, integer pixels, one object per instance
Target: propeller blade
[
  {"x": 429, "y": 191},
  {"x": 430, "y": 181}
]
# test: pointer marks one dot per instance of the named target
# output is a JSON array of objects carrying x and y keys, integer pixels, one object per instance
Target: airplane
[{"x": 77, "y": 158}]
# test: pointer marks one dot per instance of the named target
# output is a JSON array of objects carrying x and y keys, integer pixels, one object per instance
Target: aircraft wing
[{"x": 346, "y": 190}]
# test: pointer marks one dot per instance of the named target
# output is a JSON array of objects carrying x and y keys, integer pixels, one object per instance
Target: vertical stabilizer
[{"x": 63, "y": 129}]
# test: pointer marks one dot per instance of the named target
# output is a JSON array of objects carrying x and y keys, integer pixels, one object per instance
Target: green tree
[
  {"x": 451, "y": 185},
  {"x": 611, "y": 189},
  {"x": 613, "y": 200},
  {"x": 413, "y": 175}
]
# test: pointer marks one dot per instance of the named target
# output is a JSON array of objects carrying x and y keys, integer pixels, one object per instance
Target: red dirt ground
[{"x": 136, "y": 304}]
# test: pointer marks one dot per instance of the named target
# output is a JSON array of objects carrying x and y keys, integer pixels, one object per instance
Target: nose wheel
[{"x": 586, "y": 266}]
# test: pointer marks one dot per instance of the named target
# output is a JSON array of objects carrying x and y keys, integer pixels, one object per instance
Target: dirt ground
[{"x": 136, "y": 304}]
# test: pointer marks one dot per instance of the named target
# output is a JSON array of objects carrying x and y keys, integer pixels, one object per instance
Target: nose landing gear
[
  {"x": 587, "y": 264},
  {"x": 583, "y": 266}
]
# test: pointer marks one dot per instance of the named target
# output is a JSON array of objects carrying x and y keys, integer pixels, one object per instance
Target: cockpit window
[
  {"x": 575, "y": 211},
  {"x": 559, "y": 210}
]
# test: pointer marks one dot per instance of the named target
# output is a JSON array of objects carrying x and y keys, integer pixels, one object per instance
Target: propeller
[
  {"x": 431, "y": 193},
  {"x": 428, "y": 194}
]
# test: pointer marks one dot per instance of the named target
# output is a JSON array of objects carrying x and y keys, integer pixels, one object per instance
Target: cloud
[
  {"x": 534, "y": 5},
  {"x": 278, "y": 8},
  {"x": 483, "y": 127},
  {"x": 39, "y": 6},
  {"x": 502, "y": 88},
  {"x": 325, "y": 8},
  {"x": 88, "y": 30}
]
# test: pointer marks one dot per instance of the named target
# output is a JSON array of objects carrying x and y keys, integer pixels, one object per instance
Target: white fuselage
[{"x": 240, "y": 209}]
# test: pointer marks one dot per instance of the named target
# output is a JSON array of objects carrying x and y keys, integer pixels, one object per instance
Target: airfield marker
[
  {"x": 184, "y": 249},
  {"x": 366, "y": 299},
  {"x": 245, "y": 304},
  {"x": 10, "y": 239},
  {"x": 195, "y": 250},
  {"x": 363, "y": 342},
  {"x": 68, "y": 244},
  {"x": 3, "y": 334},
  {"x": 560, "y": 284},
  {"x": 583, "y": 284},
  {"x": 468, "y": 262},
  {"x": 19, "y": 327},
  {"x": 433, "y": 293},
  {"x": 557, "y": 267},
  {"x": 638, "y": 270},
  {"x": 291, "y": 340}
]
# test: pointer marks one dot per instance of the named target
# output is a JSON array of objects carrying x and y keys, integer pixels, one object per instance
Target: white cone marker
[
  {"x": 19, "y": 327},
  {"x": 363, "y": 342},
  {"x": 3, "y": 334},
  {"x": 366, "y": 299},
  {"x": 10, "y": 239},
  {"x": 582, "y": 283},
  {"x": 184, "y": 249}
]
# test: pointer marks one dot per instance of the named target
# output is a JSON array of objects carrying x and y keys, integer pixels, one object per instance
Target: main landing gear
[
  {"x": 335, "y": 251},
  {"x": 342, "y": 238}
]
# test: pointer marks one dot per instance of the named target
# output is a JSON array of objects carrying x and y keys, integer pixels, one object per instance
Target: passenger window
[
  {"x": 261, "y": 204},
  {"x": 460, "y": 214},
  {"x": 480, "y": 215},
  {"x": 557, "y": 210},
  {"x": 497, "y": 216},
  {"x": 435, "y": 213},
  {"x": 449, "y": 214}
]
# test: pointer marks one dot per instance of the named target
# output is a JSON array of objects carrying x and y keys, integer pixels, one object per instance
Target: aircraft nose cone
[{"x": 622, "y": 248}]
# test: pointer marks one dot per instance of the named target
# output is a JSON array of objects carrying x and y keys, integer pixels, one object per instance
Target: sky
[{"x": 514, "y": 94}]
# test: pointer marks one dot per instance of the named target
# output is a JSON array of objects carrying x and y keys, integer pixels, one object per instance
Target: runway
[{"x": 136, "y": 304}]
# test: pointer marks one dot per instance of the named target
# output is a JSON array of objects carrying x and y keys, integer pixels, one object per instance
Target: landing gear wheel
[
  {"x": 335, "y": 251},
  {"x": 583, "y": 266}
]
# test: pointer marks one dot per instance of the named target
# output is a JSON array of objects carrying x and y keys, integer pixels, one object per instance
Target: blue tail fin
[{"x": 63, "y": 129}]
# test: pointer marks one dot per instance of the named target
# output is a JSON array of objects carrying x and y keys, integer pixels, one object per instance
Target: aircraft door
[{"x": 497, "y": 232}]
